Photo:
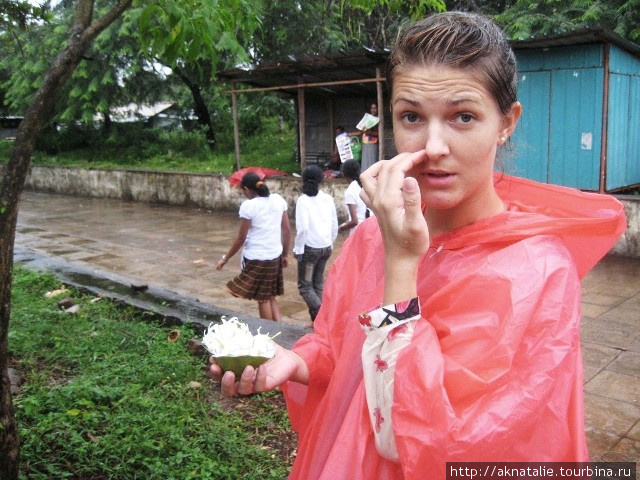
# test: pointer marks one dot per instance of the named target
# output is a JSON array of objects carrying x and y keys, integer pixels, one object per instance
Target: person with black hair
[
  {"x": 316, "y": 230},
  {"x": 356, "y": 209},
  {"x": 264, "y": 237}
]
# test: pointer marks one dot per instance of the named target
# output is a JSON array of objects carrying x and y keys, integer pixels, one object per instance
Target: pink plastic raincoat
[{"x": 493, "y": 371}]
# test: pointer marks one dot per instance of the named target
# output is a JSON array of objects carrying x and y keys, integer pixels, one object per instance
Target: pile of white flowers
[{"x": 232, "y": 338}]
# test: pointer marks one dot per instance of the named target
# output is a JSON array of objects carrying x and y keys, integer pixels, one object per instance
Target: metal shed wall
[
  {"x": 559, "y": 136},
  {"x": 623, "y": 147}
]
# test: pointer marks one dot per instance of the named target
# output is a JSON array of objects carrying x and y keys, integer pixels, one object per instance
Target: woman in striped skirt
[{"x": 264, "y": 237}]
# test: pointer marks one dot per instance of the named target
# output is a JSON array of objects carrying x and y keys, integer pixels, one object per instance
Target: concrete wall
[
  {"x": 214, "y": 192},
  {"x": 171, "y": 188},
  {"x": 629, "y": 244}
]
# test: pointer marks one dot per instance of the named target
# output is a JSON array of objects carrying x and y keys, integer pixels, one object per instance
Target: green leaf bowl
[{"x": 237, "y": 364}]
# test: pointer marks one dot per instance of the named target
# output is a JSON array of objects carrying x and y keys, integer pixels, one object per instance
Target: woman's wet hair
[
  {"x": 312, "y": 176},
  {"x": 252, "y": 181},
  {"x": 461, "y": 40},
  {"x": 351, "y": 170}
]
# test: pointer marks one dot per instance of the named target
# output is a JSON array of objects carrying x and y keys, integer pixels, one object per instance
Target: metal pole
[{"x": 605, "y": 122}]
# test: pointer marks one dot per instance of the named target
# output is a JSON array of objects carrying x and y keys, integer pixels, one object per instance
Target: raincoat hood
[{"x": 588, "y": 223}]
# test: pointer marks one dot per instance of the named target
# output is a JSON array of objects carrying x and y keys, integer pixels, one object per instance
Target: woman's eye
[
  {"x": 410, "y": 117},
  {"x": 465, "y": 117}
]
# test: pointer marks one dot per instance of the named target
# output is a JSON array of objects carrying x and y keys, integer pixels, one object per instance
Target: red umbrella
[{"x": 236, "y": 177}]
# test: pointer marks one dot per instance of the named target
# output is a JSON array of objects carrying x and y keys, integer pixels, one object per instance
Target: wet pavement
[{"x": 174, "y": 250}]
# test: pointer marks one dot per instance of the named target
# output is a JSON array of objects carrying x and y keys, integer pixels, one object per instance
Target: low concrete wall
[
  {"x": 171, "y": 188},
  {"x": 214, "y": 192},
  {"x": 629, "y": 244}
]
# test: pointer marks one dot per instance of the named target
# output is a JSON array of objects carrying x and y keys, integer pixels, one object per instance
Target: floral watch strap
[{"x": 390, "y": 314}]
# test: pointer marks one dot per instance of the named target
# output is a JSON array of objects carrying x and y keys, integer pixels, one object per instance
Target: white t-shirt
[
  {"x": 264, "y": 239},
  {"x": 316, "y": 222},
  {"x": 352, "y": 197}
]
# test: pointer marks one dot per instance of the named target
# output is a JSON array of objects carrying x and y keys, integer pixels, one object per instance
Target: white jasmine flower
[{"x": 232, "y": 338}]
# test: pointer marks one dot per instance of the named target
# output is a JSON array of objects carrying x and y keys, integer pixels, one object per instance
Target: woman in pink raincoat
[{"x": 475, "y": 352}]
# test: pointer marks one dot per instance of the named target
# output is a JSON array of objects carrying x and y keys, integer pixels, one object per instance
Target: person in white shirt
[
  {"x": 264, "y": 237},
  {"x": 356, "y": 209},
  {"x": 316, "y": 230}
]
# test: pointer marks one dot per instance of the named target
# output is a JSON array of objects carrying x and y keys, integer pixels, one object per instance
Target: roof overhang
[
  {"x": 354, "y": 73},
  {"x": 578, "y": 37},
  {"x": 345, "y": 73}
]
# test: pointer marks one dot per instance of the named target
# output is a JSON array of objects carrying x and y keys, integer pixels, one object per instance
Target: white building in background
[{"x": 160, "y": 114}]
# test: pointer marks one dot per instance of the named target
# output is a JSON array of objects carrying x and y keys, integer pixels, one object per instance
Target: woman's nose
[{"x": 436, "y": 144}]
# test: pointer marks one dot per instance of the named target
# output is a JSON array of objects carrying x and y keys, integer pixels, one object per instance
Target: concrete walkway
[{"x": 176, "y": 249}]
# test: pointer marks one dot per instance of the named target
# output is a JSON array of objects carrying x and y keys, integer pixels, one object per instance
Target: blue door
[{"x": 576, "y": 127}]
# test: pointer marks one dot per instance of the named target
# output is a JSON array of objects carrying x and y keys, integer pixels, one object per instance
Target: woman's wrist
[
  {"x": 301, "y": 374},
  {"x": 401, "y": 280}
]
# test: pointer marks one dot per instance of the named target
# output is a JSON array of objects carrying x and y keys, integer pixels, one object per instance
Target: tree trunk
[
  {"x": 82, "y": 34},
  {"x": 199, "y": 107},
  {"x": 108, "y": 123}
]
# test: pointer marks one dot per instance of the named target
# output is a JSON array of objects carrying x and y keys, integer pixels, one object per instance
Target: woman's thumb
[{"x": 411, "y": 199}]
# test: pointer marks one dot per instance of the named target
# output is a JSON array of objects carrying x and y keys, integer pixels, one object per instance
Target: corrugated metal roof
[
  {"x": 579, "y": 37},
  {"x": 322, "y": 72}
]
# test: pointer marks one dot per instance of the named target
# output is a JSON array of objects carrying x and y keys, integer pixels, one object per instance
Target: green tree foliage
[
  {"x": 523, "y": 19},
  {"x": 20, "y": 14},
  {"x": 185, "y": 31},
  {"x": 375, "y": 23},
  {"x": 16, "y": 17},
  {"x": 124, "y": 64},
  {"x": 292, "y": 27}
]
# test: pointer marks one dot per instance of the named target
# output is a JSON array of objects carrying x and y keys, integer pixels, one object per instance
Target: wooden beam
[
  {"x": 332, "y": 126},
  {"x": 307, "y": 85},
  {"x": 236, "y": 130}
]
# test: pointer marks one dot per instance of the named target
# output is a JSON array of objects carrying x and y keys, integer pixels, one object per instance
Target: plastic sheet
[{"x": 493, "y": 371}]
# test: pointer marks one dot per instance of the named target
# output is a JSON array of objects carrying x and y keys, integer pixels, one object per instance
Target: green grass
[
  {"x": 108, "y": 396},
  {"x": 135, "y": 147}
]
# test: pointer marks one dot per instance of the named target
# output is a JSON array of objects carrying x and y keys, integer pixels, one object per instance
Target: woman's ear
[{"x": 510, "y": 120}]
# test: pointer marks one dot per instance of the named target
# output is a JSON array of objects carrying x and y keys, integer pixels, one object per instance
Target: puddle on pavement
[{"x": 157, "y": 304}]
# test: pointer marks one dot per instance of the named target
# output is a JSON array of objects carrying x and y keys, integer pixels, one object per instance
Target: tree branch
[{"x": 107, "y": 19}]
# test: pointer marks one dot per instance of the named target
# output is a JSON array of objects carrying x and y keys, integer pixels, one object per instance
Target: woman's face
[
  {"x": 373, "y": 109},
  {"x": 450, "y": 115}
]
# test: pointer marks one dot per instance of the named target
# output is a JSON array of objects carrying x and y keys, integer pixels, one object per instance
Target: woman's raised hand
[
  {"x": 395, "y": 199},
  {"x": 285, "y": 365}
]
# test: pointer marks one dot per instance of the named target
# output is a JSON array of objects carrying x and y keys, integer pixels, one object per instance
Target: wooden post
[
  {"x": 381, "y": 110},
  {"x": 332, "y": 125},
  {"x": 236, "y": 130},
  {"x": 301, "y": 129}
]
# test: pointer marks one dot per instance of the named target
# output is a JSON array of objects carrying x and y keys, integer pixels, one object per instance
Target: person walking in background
[
  {"x": 264, "y": 237},
  {"x": 356, "y": 209},
  {"x": 316, "y": 230},
  {"x": 451, "y": 325}
]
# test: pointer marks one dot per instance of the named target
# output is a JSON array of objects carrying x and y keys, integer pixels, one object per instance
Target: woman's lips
[{"x": 438, "y": 179}]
